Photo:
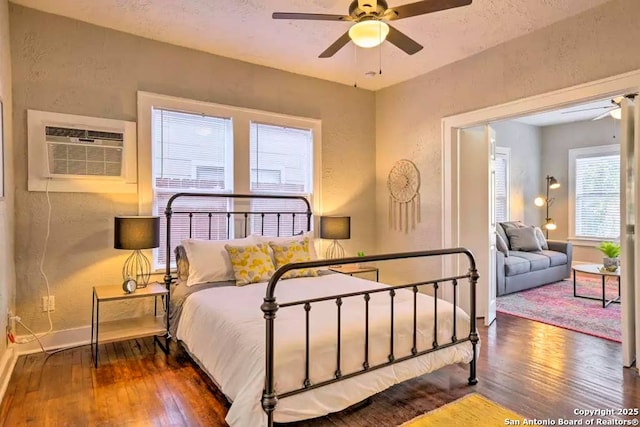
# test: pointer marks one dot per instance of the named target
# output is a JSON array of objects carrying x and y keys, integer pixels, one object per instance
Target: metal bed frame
[{"x": 270, "y": 305}]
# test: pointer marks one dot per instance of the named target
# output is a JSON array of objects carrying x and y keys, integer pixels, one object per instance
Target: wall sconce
[
  {"x": 335, "y": 227},
  {"x": 137, "y": 232},
  {"x": 549, "y": 223}
]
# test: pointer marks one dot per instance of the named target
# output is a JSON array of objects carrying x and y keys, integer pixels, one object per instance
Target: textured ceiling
[{"x": 243, "y": 29}]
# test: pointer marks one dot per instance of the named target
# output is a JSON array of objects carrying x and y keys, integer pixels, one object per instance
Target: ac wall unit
[{"x": 81, "y": 154}]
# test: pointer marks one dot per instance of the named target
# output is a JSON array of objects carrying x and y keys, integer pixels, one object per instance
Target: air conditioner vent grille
[{"x": 57, "y": 131}]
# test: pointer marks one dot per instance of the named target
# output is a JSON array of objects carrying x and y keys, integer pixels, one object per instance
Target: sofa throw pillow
[
  {"x": 501, "y": 245},
  {"x": 523, "y": 239},
  {"x": 251, "y": 263},
  {"x": 293, "y": 251},
  {"x": 541, "y": 239}
]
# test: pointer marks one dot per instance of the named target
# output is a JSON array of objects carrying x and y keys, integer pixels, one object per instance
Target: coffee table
[{"x": 594, "y": 269}]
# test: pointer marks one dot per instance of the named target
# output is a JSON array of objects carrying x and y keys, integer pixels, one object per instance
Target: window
[
  {"x": 192, "y": 146},
  {"x": 503, "y": 156},
  {"x": 595, "y": 191},
  {"x": 281, "y": 158},
  {"x": 191, "y": 153}
]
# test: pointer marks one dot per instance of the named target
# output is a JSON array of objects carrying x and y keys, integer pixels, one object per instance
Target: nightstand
[
  {"x": 352, "y": 269},
  {"x": 128, "y": 328}
]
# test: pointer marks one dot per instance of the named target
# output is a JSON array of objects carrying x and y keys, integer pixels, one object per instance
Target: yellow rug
[{"x": 472, "y": 410}]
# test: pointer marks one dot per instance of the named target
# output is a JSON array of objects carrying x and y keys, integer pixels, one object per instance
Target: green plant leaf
[{"x": 609, "y": 249}]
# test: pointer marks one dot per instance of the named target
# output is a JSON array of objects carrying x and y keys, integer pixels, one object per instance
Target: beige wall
[
  {"x": 7, "y": 271},
  {"x": 584, "y": 48},
  {"x": 66, "y": 66},
  {"x": 556, "y": 143},
  {"x": 525, "y": 181}
]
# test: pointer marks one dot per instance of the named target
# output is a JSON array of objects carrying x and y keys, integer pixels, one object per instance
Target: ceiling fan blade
[
  {"x": 311, "y": 16},
  {"x": 608, "y": 107},
  {"x": 336, "y": 46},
  {"x": 422, "y": 7},
  {"x": 403, "y": 41},
  {"x": 601, "y": 116}
]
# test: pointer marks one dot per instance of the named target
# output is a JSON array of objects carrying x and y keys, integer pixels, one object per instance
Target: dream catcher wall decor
[{"x": 404, "y": 195}]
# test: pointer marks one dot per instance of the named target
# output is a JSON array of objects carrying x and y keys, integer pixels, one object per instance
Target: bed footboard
[{"x": 270, "y": 308}]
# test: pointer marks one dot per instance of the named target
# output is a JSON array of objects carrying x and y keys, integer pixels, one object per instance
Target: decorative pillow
[
  {"x": 501, "y": 245},
  {"x": 523, "y": 239},
  {"x": 209, "y": 261},
  {"x": 251, "y": 264},
  {"x": 289, "y": 239},
  {"x": 182, "y": 263},
  {"x": 294, "y": 251},
  {"x": 541, "y": 239}
]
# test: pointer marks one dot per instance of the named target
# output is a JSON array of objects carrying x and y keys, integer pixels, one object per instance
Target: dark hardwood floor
[{"x": 534, "y": 369}]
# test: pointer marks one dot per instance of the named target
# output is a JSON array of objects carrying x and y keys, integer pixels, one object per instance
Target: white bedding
[{"x": 224, "y": 329}]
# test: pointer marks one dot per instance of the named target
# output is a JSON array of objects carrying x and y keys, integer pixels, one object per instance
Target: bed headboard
[{"x": 220, "y": 216}]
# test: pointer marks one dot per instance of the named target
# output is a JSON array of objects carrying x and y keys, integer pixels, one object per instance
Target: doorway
[{"x": 454, "y": 216}]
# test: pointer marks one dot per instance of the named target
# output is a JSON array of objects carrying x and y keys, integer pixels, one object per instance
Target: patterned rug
[
  {"x": 471, "y": 410},
  {"x": 555, "y": 304}
]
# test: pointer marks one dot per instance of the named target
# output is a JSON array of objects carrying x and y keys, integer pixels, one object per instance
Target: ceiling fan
[
  {"x": 612, "y": 110},
  {"x": 370, "y": 28}
]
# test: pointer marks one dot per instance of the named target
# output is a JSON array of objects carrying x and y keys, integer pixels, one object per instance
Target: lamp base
[
  {"x": 137, "y": 267},
  {"x": 335, "y": 250}
]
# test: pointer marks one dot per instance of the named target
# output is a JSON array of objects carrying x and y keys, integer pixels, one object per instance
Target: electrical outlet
[{"x": 48, "y": 303}]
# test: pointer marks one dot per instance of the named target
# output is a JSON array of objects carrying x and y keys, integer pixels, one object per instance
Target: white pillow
[
  {"x": 284, "y": 240},
  {"x": 209, "y": 260}
]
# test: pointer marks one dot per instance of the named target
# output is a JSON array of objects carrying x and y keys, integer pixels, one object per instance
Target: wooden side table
[
  {"x": 129, "y": 328},
  {"x": 352, "y": 269}
]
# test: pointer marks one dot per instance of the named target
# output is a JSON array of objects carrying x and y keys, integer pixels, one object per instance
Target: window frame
[
  {"x": 505, "y": 152},
  {"x": 573, "y": 155},
  {"x": 241, "y": 119}
]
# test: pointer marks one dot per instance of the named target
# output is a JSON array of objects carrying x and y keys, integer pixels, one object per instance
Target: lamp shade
[
  {"x": 369, "y": 33},
  {"x": 553, "y": 183},
  {"x": 335, "y": 227},
  {"x": 136, "y": 232}
]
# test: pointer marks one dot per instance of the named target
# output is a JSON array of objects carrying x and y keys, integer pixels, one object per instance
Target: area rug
[
  {"x": 471, "y": 410},
  {"x": 555, "y": 304}
]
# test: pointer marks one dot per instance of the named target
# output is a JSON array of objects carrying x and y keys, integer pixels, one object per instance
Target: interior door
[
  {"x": 476, "y": 182},
  {"x": 629, "y": 245}
]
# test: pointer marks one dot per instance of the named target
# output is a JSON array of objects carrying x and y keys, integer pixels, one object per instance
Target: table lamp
[
  {"x": 335, "y": 228},
  {"x": 137, "y": 232}
]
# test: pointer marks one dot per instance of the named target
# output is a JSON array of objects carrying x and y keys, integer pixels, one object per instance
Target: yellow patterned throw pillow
[
  {"x": 294, "y": 251},
  {"x": 251, "y": 264}
]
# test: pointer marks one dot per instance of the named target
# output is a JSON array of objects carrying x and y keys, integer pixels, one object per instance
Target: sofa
[{"x": 524, "y": 262}]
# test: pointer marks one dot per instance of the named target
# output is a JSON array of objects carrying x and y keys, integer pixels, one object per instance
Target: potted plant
[{"x": 611, "y": 251}]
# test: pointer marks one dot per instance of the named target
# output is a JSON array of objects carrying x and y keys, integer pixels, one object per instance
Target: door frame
[{"x": 451, "y": 216}]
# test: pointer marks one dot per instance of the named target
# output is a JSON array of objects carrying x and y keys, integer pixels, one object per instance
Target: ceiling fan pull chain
[
  {"x": 380, "y": 57},
  {"x": 355, "y": 60}
]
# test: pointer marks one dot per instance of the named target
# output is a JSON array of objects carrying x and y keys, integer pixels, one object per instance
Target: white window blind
[
  {"x": 502, "y": 186},
  {"x": 281, "y": 163},
  {"x": 597, "y": 196},
  {"x": 191, "y": 153}
]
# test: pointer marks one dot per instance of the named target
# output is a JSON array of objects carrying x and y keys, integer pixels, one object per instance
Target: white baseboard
[
  {"x": 65, "y": 338},
  {"x": 7, "y": 363},
  {"x": 75, "y": 337}
]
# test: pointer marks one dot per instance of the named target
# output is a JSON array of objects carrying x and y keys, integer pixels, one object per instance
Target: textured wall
[
  {"x": 66, "y": 66},
  {"x": 525, "y": 176},
  {"x": 7, "y": 271},
  {"x": 556, "y": 143},
  {"x": 584, "y": 48}
]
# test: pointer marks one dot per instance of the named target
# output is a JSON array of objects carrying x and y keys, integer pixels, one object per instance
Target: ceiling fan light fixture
[
  {"x": 616, "y": 113},
  {"x": 369, "y": 33}
]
